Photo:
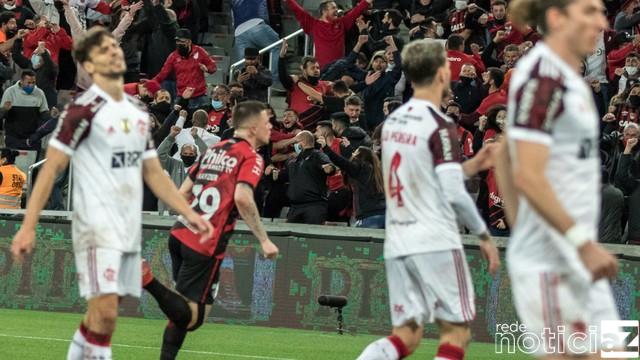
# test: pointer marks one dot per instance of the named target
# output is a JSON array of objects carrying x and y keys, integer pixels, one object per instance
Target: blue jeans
[
  {"x": 372, "y": 222},
  {"x": 259, "y": 37}
]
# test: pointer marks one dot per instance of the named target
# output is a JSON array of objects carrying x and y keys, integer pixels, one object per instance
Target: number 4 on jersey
[{"x": 395, "y": 186}]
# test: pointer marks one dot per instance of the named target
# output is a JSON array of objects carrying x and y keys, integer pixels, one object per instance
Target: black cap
[
  {"x": 341, "y": 117},
  {"x": 251, "y": 52},
  {"x": 183, "y": 34}
]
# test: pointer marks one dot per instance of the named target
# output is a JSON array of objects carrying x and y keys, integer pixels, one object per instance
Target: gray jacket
[{"x": 174, "y": 167}]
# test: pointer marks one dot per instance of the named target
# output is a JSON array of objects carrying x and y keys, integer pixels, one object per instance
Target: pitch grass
[{"x": 41, "y": 335}]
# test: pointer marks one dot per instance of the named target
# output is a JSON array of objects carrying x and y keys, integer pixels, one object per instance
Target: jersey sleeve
[
  {"x": 444, "y": 145},
  {"x": 251, "y": 170},
  {"x": 539, "y": 103},
  {"x": 73, "y": 127}
]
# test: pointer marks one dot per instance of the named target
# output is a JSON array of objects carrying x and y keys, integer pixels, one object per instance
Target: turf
[{"x": 45, "y": 335}]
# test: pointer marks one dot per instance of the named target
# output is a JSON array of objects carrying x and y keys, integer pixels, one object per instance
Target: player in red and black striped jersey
[{"x": 220, "y": 186}]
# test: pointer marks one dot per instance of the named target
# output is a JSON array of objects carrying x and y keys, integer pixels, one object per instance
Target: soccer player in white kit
[
  {"x": 553, "y": 182},
  {"x": 106, "y": 135},
  {"x": 427, "y": 272}
]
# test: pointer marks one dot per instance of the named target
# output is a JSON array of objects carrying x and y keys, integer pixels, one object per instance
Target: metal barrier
[
  {"x": 37, "y": 165},
  {"x": 268, "y": 48}
]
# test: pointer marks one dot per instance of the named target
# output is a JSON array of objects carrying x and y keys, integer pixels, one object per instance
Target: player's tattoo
[{"x": 251, "y": 216}]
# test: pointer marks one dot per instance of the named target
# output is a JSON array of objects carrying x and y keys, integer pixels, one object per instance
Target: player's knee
[
  {"x": 411, "y": 335},
  {"x": 197, "y": 316},
  {"x": 456, "y": 334},
  {"x": 104, "y": 319}
]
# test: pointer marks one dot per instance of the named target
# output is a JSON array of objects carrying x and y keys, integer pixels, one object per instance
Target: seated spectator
[
  {"x": 24, "y": 108},
  {"x": 304, "y": 92},
  {"x": 468, "y": 92},
  {"x": 465, "y": 138},
  {"x": 254, "y": 78},
  {"x": 363, "y": 173},
  {"x": 329, "y": 30},
  {"x": 457, "y": 58},
  {"x": 307, "y": 175},
  {"x": 493, "y": 80},
  {"x": 353, "y": 137},
  {"x": 379, "y": 84},
  {"x": 220, "y": 113},
  {"x": 12, "y": 180},
  {"x": 610, "y": 226},
  {"x": 188, "y": 63}
]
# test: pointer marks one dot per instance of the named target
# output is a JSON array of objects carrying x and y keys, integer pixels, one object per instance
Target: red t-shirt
[
  {"x": 300, "y": 102},
  {"x": 215, "y": 177},
  {"x": 335, "y": 181},
  {"x": 457, "y": 59},
  {"x": 497, "y": 98},
  {"x": 215, "y": 120},
  {"x": 466, "y": 142}
]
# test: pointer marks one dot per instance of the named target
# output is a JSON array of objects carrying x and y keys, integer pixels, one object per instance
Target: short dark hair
[
  {"x": 327, "y": 125},
  {"x": 222, "y": 86},
  {"x": 291, "y": 110},
  {"x": 324, "y": 5},
  {"x": 455, "y": 42},
  {"x": 6, "y": 16},
  {"x": 362, "y": 58},
  {"x": 633, "y": 54},
  {"x": 308, "y": 59},
  {"x": 340, "y": 87},
  {"x": 395, "y": 15},
  {"x": 26, "y": 73},
  {"x": 342, "y": 118},
  {"x": 454, "y": 104},
  {"x": 353, "y": 100},
  {"x": 234, "y": 84},
  {"x": 245, "y": 112},
  {"x": 421, "y": 61},
  {"x": 512, "y": 47},
  {"x": 496, "y": 75},
  {"x": 92, "y": 38},
  {"x": 499, "y": 3},
  {"x": 393, "y": 105},
  {"x": 9, "y": 154}
]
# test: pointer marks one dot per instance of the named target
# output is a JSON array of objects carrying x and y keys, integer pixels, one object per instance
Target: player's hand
[
  {"x": 175, "y": 130},
  {"x": 23, "y": 243},
  {"x": 490, "y": 253},
  {"x": 630, "y": 145},
  {"x": 188, "y": 93},
  {"x": 372, "y": 77},
  {"x": 283, "y": 49},
  {"x": 482, "y": 123},
  {"x": 202, "y": 226},
  {"x": 322, "y": 141},
  {"x": 269, "y": 249},
  {"x": 599, "y": 262},
  {"x": 609, "y": 118}
]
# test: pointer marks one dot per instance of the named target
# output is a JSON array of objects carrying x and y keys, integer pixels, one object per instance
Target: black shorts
[{"x": 196, "y": 275}]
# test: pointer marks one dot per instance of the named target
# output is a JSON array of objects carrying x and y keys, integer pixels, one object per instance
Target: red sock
[
  {"x": 401, "y": 348},
  {"x": 450, "y": 352},
  {"x": 95, "y": 338}
]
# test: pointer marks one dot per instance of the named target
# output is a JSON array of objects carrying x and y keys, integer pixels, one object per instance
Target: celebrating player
[
  {"x": 107, "y": 134},
  {"x": 555, "y": 265},
  {"x": 426, "y": 267},
  {"x": 223, "y": 179}
]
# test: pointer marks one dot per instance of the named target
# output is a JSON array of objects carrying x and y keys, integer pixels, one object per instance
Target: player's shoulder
[
  {"x": 137, "y": 103},
  {"x": 85, "y": 105},
  {"x": 541, "y": 64}
]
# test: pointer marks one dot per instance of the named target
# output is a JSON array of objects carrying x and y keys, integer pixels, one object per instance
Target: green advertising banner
[{"x": 281, "y": 293}]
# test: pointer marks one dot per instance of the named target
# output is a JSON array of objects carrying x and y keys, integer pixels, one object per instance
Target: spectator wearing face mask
[
  {"x": 24, "y": 108},
  {"x": 329, "y": 30},
  {"x": 161, "y": 105},
  {"x": 630, "y": 74},
  {"x": 55, "y": 38},
  {"x": 352, "y": 137},
  {"x": 307, "y": 175},
  {"x": 465, "y": 138},
  {"x": 457, "y": 58},
  {"x": 627, "y": 178},
  {"x": 189, "y": 63},
  {"x": 254, "y": 78},
  {"x": 339, "y": 198},
  {"x": 304, "y": 92},
  {"x": 468, "y": 91},
  {"x": 220, "y": 114},
  {"x": 46, "y": 71},
  {"x": 623, "y": 45}
]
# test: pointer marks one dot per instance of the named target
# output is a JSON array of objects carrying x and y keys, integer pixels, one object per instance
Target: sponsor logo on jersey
[
  {"x": 447, "y": 153},
  {"x": 126, "y": 127},
  {"x": 218, "y": 160},
  {"x": 125, "y": 159}
]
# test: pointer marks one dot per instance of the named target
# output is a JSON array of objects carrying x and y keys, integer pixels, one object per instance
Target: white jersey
[
  {"x": 108, "y": 141},
  {"x": 416, "y": 138},
  {"x": 550, "y": 104}
]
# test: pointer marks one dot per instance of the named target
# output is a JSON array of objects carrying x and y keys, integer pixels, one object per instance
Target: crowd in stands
[{"x": 323, "y": 160}]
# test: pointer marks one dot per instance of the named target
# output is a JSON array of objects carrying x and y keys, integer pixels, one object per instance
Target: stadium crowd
[{"x": 323, "y": 160}]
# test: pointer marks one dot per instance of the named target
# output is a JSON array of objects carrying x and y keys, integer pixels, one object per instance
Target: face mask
[
  {"x": 439, "y": 30},
  {"x": 188, "y": 160},
  {"x": 453, "y": 117},
  {"x": 11, "y": 33},
  {"x": 35, "y": 61},
  {"x": 297, "y": 148},
  {"x": 461, "y": 4},
  {"x": 631, "y": 70},
  {"x": 28, "y": 89},
  {"x": 466, "y": 80},
  {"x": 183, "y": 50},
  {"x": 217, "y": 104},
  {"x": 162, "y": 107},
  {"x": 9, "y": 7},
  {"x": 634, "y": 100},
  {"x": 313, "y": 80}
]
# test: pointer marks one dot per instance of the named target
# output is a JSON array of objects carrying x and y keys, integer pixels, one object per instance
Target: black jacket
[
  {"x": 307, "y": 179},
  {"x": 159, "y": 41},
  {"x": 469, "y": 94},
  {"x": 357, "y": 137},
  {"x": 627, "y": 179},
  {"x": 256, "y": 88},
  {"x": 381, "y": 89},
  {"x": 610, "y": 227},
  {"x": 611, "y": 148},
  {"x": 367, "y": 201}
]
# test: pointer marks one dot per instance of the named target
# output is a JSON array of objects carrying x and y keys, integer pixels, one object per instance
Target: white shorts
[
  {"x": 103, "y": 271},
  {"x": 562, "y": 308},
  {"x": 429, "y": 286}
]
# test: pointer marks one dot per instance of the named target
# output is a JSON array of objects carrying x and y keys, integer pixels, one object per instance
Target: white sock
[
  {"x": 381, "y": 349},
  {"x": 77, "y": 346},
  {"x": 93, "y": 351}
]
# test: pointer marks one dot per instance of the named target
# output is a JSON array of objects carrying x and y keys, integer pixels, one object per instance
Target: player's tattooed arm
[{"x": 246, "y": 204}]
